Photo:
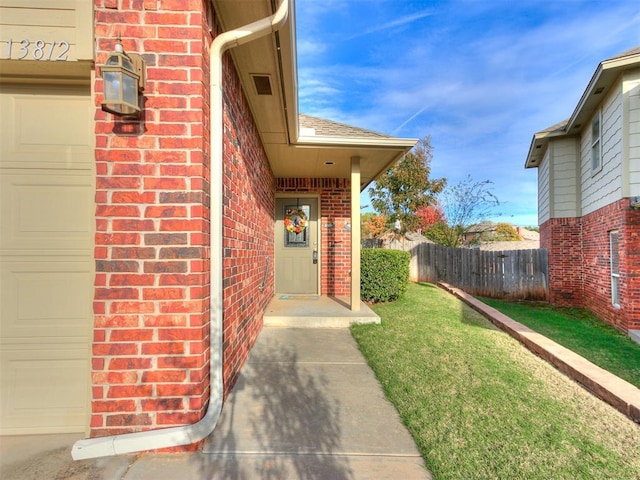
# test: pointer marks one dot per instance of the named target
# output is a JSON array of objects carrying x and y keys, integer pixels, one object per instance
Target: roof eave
[
  {"x": 538, "y": 147},
  {"x": 397, "y": 147},
  {"x": 540, "y": 142},
  {"x": 536, "y": 151},
  {"x": 599, "y": 86},
  {"x": 393, "y": 143},
  {"x": 384, "y": 169}
]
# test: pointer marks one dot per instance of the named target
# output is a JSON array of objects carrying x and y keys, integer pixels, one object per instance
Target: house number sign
[{"x": 35, "y": 50}]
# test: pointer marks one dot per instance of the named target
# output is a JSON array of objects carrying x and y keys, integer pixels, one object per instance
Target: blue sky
[{"x": 479, "y": 76}]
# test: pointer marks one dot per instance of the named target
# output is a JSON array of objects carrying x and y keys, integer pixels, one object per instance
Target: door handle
[{"x": 315, "y": 257}]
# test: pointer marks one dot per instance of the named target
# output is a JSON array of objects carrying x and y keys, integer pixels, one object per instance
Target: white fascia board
[
  {"x": 607, "y": 71},
  {"x": 542, "y": 140},
  {"x": 333, "y": 142}
]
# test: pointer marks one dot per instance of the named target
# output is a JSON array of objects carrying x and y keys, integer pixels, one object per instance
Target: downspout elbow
[{"x": 260, "y": 28}]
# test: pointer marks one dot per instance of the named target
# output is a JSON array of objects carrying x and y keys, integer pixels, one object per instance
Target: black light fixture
[{"x": 124, "y": 79}]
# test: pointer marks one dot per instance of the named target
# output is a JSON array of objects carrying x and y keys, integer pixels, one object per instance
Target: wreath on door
[{"x": 295, "y": 220}]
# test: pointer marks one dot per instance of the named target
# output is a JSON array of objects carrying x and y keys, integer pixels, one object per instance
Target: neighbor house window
[
  {"x": 596, "y": 144},
  {"x": 615, "y": 267}
]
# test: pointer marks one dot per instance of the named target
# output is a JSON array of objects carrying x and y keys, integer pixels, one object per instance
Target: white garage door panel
[
  {"x": 44, "y": 391},
  {"x": 47, "y": 130},
  {"x": 46, "y": 258},
  {"x": 45, "y": 301},
  {"x": 46, "y": 211}
]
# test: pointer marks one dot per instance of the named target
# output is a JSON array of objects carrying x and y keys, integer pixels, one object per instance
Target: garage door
[{"x": 46, "y": 258}]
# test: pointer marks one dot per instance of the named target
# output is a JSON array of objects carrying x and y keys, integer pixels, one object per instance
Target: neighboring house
[
  {"x": 529, "y": 240},
  {"x": 588, "y": 196},
  {"x": 477, "y": 233},
  {"x": 137, "y": 256},
  {"x": 491, "y": 236}
]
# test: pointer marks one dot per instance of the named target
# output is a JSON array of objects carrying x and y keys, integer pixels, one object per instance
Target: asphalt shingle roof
[
  {"x": 628, "y": 53},
  {"x": 329, "y": 128},
  {"x": 558, "y": 127}
]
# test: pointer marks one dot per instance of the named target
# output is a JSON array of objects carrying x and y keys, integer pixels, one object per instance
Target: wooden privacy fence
[{"x": 513, "y": 274}]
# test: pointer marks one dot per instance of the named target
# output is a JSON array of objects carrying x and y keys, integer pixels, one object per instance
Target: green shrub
[{"x": 384, "y": 274}]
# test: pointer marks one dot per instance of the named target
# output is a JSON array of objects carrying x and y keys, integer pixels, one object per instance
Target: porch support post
[{"x": 355, "y": 234}]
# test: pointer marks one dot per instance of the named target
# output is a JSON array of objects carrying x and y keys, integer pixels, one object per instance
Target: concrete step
[{"x": 315, "y": 311}]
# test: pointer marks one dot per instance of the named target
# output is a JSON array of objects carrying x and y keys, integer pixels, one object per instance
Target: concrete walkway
[{"x": 306, "y": 406}]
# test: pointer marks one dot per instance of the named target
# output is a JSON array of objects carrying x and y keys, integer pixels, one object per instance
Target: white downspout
[{"x": 188, "y": 434}]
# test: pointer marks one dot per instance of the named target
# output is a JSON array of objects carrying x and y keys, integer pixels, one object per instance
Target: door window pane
[{"x": 296, "y": 221}]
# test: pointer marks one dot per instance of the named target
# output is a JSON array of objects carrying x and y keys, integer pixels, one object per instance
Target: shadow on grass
[{"x": 464, "y": 312}]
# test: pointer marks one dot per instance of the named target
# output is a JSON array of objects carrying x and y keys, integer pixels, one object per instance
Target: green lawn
[
  {"x": 481, "y": 406},
  {"x": 580, "y": 331}
]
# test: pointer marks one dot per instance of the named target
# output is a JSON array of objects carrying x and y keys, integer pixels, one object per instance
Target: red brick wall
[
  {"x": 579, "y": 262},
  {"x": 630, "y": 267},
  {"x": 562, "y": 238},
  {"x": 249, "y": 209},
  {"x": 150, "y": 351},
  {"x": 335, "y": 208},
  {"x": 151, "y": 335},
  {"x": 597, "y": 269}
]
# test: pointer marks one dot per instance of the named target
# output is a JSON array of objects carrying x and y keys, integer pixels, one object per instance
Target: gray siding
[
  {"x": 544, "y": 212},
  {"x": 605, "y": 186},
  {"x": 632, "y": 101},
  {"x": 565, "y": 190}
]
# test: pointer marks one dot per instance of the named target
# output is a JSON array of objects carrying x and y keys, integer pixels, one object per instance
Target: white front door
[{"x": 297, "y": 245}]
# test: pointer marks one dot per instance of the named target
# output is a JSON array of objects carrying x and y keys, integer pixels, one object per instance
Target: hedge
[{"x": 384, "y": 274}]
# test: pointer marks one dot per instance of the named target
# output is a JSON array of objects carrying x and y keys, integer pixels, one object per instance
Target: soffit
[
  {"x": 319, "y": 149},
  {"x": 261, "y": 58},
  {"x": 324, "y": 148},
  {"x": 540, "y": 142}
]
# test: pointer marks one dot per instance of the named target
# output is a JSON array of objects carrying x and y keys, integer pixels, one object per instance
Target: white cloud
[
  {"x": 393, "y": 23},
  {"x": 479, "y": 77},
  {"x": 308, "y": 47}
]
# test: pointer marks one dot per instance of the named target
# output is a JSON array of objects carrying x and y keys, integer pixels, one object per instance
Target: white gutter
[
  {"x": 604, "y": 76},
  {"x": 377, "y": 143},
  {"x": 188, "y": 434}
]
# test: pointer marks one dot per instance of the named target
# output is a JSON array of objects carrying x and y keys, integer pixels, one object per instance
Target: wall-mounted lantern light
[{"x": 124, "y": 78}]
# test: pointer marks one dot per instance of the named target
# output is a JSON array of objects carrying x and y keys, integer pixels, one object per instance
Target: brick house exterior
[
  {"x": 165, "y": 259},
  {"x": 588, "y": 192}
]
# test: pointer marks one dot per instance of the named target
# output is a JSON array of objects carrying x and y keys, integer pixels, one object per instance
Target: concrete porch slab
[{"x": 315, "y": 311}]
